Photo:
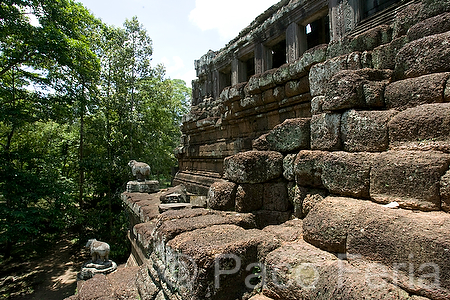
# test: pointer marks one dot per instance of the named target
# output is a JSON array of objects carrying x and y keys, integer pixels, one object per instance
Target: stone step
[{"x": 412, "y": 247}]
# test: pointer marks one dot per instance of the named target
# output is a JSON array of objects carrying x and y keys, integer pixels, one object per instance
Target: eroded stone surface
[
  {"x": 253, "y": 166},
  {"x": 410, "y": 178}
]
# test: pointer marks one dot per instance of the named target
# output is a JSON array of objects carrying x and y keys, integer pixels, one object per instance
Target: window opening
[
  {"x": 278, "y": 54},
  {"x": 318, "y": 32}
]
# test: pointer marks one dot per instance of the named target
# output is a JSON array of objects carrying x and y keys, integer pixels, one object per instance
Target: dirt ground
[{"x": 51, "y": 277}]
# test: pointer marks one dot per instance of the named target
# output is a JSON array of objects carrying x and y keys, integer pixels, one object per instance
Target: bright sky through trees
[{"x": 182, "y": 30}]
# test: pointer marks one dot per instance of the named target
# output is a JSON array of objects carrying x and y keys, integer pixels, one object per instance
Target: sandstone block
[
  {"x": 222, "y": 196},
  {"x": 445, "y": 191},
  {"x": 406, "y": 18},
  {"x": 304, "y": 200},
  {"x": 253, "y": 166},
  {"x": 423, "y": 125},
  {"x": 270, "y": 217},
  {"x": 311, "y": 57},
  {"x": 383, "y": 57},
  {"x": 236, "y": 92},
  {"x": 266, "y": 80},
  {"x": 326, "y": 131},
  {"x": 346, "y": 89},
  {"x": 321, "y": 73},
  {"x": 365, "y": 130},
  {"x": 249, "y": 197},
  {"x": 316, "y": 105},
  {"x": 327, "y": 224},
  {"x": 178, "y": 193},
  {"x": 198, "y": 255},
  {"x": 431, "y": 26},
  {"x": 424, "y": 56},
  {"x": 374, "y": 93},
  {"x": 281, "y": 75},
  {"x": 410, "y": 178},
  {"x": 416, "y": 91},
  {"x": 298, "y": 270},
  {"x": 433, "y": 8},
  {"x": 261, "y": 143},
  {"x": 275, "y": 197},
  {"x": 308, "y": 168},
  {"x": 291, "y": 135},
  {"x": 289, "y": 231},
  {"x": 297, "y": 87},
  {"x": 414, "y": 248},
  {"x": 288, "y": 167},
  {"x": 347, "y": 174},
  {"x": 252, "y": 86}
]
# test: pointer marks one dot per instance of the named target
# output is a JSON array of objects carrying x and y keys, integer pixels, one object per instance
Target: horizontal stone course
[
  {"x": 427, "y": 55},
  {"x": 410, "y": 178},
  {"x": 366, "y": 230},
  {"x": 416, "y": 91}
]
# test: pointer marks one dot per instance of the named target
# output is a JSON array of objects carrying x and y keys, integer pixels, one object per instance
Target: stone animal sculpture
[
  {"x": 99, "y": 250},
  {"x": 139, "y": 169}
]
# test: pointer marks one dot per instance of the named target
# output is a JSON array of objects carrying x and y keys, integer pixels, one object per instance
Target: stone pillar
[
  {"x": 238, "y": 71},
  {"x": 216, "y": 84},
  {"x": 296, "y": 42},
  {"x": 263, "y": 58},
  {"x": 344, "y": 15}
]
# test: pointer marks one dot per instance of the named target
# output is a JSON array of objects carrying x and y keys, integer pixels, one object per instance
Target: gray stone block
[{"x": 326, "y": 132}]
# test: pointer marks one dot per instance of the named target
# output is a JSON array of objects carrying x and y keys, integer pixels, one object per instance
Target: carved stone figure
[
  {"x": 139, "y": 169},
  {"x": 100, "y": 262},
  {"x": 99, "y": 250}
]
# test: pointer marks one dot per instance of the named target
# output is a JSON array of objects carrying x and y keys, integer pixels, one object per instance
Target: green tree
[{"x": 32, "y": 107}]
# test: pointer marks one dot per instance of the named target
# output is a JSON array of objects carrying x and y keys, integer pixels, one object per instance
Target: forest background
[{"x": 78, "y": 100}]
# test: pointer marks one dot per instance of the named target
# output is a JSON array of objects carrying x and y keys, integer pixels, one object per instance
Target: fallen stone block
[
  {"x": 249, "y": 197},
  {"x": 427, "y": 55},
  {"x": 177, "y": 194},
  {"x": 253, "y": 166},
  {"x": 222, "y": 196},
  {"x": 416, "y": 91},
  {"x": 366, "y": 130},
  {"x": 291, "y": 135},
  {"x": 347, "y": 174},
  {"x": 422, "y": 125},
  {"x": 326, "y": 132},
  {"x": 410, "y": 178}
]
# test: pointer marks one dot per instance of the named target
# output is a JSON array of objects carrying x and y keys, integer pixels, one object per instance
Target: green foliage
[{"x": 78, "y": 100}]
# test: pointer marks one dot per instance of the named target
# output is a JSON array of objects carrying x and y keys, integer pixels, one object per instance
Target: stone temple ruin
[{"x": 316, "y": 156}]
